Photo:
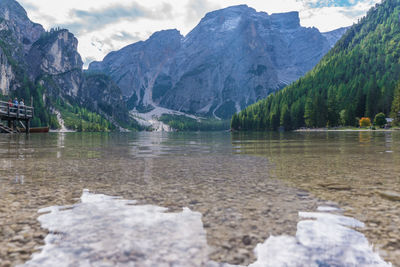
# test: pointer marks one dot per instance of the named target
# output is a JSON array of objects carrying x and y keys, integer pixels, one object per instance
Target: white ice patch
[
  {"x": 230, "y": 24},
  {"x": 108, "y": 231},
  {"x": 325, "y": 241}
]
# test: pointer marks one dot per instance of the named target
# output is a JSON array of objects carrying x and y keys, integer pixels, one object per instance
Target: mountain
[
  {"x": 17, "y": 33},
  {"x": 46, "y": 67},
  {"x": 335, "y": 35},
  {"x": 357, "y": 78},
  {"x": 136, "y": 67},
  {"x": 232, "y": 58},
  {"x": 16, "y": 28}
]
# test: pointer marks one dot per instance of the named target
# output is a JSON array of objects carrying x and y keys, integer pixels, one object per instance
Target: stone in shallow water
[
  {"x": 5, "y": 263},
  {"x": 246, "y": 240},
  {"x": 334, "y": 186},
  {"x": 328, "y": 208},
  {"x": 390, "y": 195}
]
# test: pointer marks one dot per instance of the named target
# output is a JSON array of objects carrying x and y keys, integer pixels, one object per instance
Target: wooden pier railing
[{"x": 14, "y": 113}]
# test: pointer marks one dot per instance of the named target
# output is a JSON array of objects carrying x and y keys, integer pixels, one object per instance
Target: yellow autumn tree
[{"x": 365, "y": 122}]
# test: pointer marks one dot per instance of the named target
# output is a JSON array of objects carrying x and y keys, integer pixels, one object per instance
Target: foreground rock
[{"x": 390, "y": 195}]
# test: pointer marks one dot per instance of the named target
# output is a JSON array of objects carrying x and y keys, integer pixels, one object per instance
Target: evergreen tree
[
  {"x": 285, "y": 118},
  {"x": 380, "y": 119},
  {"x": 235, "y": 122},
  {"x": 372, "y": 98},
  {"x": 309, "y": 113},
  {"x": 396, "y": 104},
  {"x": 357, "y": 78}
]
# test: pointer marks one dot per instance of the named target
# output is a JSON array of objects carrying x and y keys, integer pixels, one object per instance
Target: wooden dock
[{"x": 14, "y": 115}]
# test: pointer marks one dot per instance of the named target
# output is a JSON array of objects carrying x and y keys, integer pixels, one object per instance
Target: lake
[{"x": 200, "y": 199}]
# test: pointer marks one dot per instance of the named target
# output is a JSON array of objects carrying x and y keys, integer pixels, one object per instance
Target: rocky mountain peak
[
  {"x": 232, "y": 58},
  {"x": 166, "y": 34},
  {"x": 56, "y": 52},
  {"x": 14, "y": 18},
  {"x": 230, "y": 17},
  {"x": 225, "y": 19},
  {"x": 164, "y": 40},
  {"x": 232, "y": 11},
  {"x": 10, "y": 9},
  {"x": 334, "y": 35},
  {"x": 224, "y": 22},
  {"x": 289, "y": 20}
]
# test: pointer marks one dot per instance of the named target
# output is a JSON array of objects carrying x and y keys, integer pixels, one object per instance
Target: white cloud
[{"x": 102, "y": 25}]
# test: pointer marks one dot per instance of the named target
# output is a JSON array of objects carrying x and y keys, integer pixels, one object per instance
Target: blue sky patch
[{"x": 334, "y": 3}]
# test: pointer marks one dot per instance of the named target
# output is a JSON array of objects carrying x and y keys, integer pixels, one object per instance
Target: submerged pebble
[{"x": 390, "y": 195}]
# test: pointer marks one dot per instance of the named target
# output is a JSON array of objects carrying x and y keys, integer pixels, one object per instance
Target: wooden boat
[
  {"x": 36, "y": 130},
  {"x": 39, "y": 130}
]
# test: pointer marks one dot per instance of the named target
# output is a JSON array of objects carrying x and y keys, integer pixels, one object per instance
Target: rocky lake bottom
[{"x": 200, "y": 199}]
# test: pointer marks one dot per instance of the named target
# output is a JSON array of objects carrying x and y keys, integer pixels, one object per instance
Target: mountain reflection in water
[{"x": 108, "y": 231}]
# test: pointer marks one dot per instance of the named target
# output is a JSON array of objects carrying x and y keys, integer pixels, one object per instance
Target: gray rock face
[
  {"x": 51, "y": 59},
  {"x": 101, "y": 94},
  {"x": 137, "y": 66},
  {"x": 55, "y": 56},
  {"x": 232, "y": 58},
  {"x": 14, "y": 18},
  {"x": 17, "y": 33},
  {"x": 57, "y": 65},
  {"x": 56, "y": 53},
  {"x": 335, "y": 35},
  {"x": 6, "y": 74}
]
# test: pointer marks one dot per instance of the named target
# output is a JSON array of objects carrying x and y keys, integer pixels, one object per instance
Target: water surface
[{"x": 236, "y": 191}]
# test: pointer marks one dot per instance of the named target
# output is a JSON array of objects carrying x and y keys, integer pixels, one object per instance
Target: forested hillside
[
  {"x": 45, "y": 69},
  {"x": 357, "y": 78}
]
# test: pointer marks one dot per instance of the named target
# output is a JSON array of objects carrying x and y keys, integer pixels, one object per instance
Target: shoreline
[{"x": 346, "y": 130}]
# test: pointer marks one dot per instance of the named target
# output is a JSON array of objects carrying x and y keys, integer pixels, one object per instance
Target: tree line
[
  {"x": 184, "y": 124},
  {"x": 358, "y": 78}
]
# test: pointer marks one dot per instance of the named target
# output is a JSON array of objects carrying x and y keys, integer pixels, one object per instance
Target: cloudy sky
[{"x": 106, "y": 25}]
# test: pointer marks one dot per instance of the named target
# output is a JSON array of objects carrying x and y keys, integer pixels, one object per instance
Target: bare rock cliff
[{"x": 232, "y": 58}]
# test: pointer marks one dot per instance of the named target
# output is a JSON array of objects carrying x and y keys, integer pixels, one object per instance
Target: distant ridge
[{"x": 232, "y": 58}]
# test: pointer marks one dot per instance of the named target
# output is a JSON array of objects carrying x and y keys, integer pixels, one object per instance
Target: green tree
[
  {"x": 342, "y": 115},
  {"x": 372, "y": 97},
  {"x": 235, "y": 123},
  {"x": 380, "y": 119},
  {"x": 285, "y": 118},
  {"x": 309, "y": 113},
  {"x": 357, "y": 78},
  {"x": 396, "y": 104},
  {"x": 333, "y": 114}
]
